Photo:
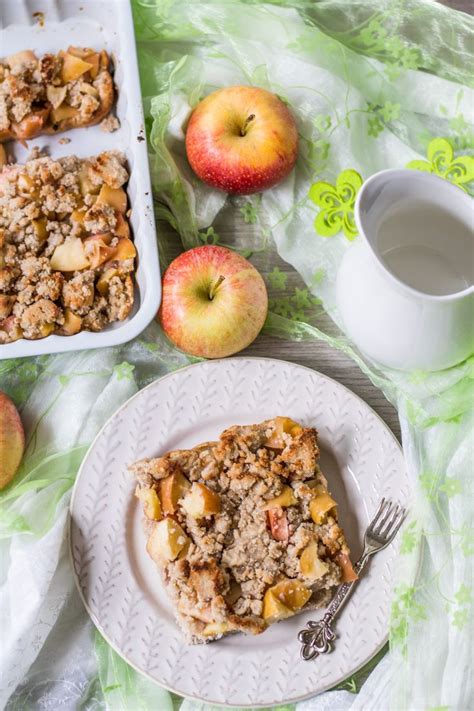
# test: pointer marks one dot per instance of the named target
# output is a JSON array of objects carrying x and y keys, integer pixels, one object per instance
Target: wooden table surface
[
  {"x": 464, "y": 5},
  {"x": 314, "y": 354}
]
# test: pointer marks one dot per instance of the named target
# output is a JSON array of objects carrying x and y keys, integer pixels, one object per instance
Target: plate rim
[{"x": 92, "y": 616}]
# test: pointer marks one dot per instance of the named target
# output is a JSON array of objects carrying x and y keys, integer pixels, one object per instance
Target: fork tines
[{"x": 387, "y": 520}]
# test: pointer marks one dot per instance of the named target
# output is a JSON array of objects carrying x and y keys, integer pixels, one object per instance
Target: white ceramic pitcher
[{"x": 405, "y": 290}]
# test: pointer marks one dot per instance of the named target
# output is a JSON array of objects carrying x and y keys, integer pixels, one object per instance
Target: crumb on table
[{"x": 110, "y": 124}]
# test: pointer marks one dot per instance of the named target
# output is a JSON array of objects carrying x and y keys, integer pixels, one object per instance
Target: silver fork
[{"x": 317, "y": 637}]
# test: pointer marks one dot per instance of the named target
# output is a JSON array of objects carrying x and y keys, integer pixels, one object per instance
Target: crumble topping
[
  {"x": 110, "y": 124},
  {"x": 66, "y": 256},
  {"x": 53, "y": 93},
  {"x": 243, "y": 530}
]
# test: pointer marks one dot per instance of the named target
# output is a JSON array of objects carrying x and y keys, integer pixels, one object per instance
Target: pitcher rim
[{"x": 415, "y": 175}]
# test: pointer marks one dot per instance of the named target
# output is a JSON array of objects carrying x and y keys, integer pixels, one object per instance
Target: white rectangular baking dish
[{"x": 51, "y": 25}]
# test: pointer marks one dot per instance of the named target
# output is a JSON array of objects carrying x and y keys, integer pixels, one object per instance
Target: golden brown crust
[
  {"x": 249, "y": 624},
  {"x": 301, "y": 454},
  {"x": 156, "y": 468}
]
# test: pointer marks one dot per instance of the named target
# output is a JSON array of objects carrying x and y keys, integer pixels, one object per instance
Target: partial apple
[
  {"x": 12, "y": 440},
  {"x": 242, "y": 140},
  {"x": 214, "y": 302}
]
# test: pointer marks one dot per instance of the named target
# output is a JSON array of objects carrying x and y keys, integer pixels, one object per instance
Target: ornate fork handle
[{"x": 317, "y": 637}]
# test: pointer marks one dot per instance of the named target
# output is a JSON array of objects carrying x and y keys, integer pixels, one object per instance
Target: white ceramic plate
[{"x": 120, "y": 585}]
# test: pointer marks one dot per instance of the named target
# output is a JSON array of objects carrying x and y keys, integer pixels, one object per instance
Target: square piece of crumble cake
[
  {"x": 244, "y": 530},
  {"x": 67, "y": 259},
  {"x": 54, "y": 93}
]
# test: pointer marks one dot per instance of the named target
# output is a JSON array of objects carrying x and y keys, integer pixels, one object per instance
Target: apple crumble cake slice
[
  {"x": 53, "y": 93},
  {"x": 243, "y": 530},
  {"x": 66, "y": 254}
]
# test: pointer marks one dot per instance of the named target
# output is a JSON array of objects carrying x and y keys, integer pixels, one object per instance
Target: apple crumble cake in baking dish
[
  {"x": 244, "y": 530},
  {"x": 53, "y": 93},
  {"x": 66, "y": 255}
]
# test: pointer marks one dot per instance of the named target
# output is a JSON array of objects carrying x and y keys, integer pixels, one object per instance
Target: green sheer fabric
[{"x": 373, "y": 84}]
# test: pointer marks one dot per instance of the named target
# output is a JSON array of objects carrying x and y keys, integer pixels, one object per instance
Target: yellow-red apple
[
  {"x": 12, "y": 440},
  {"x": 242, "y": 140},
  {"x": 214, "y": 302}
]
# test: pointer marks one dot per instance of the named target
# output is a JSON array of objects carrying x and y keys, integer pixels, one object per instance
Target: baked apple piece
[
  {"x": 200, "y": 501},
  {"x": 166, "y": 540},
  {"x": 172, "y": 489},
  {"x": 284, "y": 599}
]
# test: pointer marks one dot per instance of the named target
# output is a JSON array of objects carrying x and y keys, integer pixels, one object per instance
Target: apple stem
[
  {"x": 243, "y": 130},
  {"x": 214, "y": 286}
]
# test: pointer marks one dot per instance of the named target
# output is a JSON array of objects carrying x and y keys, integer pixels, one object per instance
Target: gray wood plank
[{"x": 463, "y": 5}]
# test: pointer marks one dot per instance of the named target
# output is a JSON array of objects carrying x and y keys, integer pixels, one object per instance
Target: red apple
[
  {"x": 214, "y": 302},
  {"x": 241, "y": 140},
  {"x": 12, "y": 440}
]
